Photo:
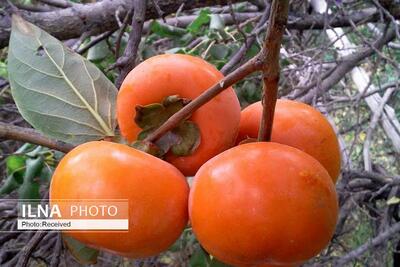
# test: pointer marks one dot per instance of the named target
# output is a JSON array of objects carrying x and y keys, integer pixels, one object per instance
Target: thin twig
[
  {"x": 57, "y": 251},
  {"x": 29, "y": 248},
  {"x": 374, "y": 121},
  {"x": 276, "y": 27},
  {"x": 131, "y": 50},
  {"x": 346, "y": 64},
  {"x": 239, "y": 55},
  {"x": 80, "y": 40},
  {"x": 382, "y": 237},
  {"x": 94, "y": 41},
  {"x": 376, "y": 177},
  {"x": 121, "y": 33},
  {"x": 235, "y": 21},
  {"x": 8, "y": 131},
  {"x": 160, "y": 13}
]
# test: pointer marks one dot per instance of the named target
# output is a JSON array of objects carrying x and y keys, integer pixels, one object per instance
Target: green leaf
[
  {"x": 24, "y": 148},
  {"x": 9, "y": 185},
  {"x": 165, "y": 30},
  {"x": 217, "y": 23},
  {"x": 148, "y": 52},
  {"x": 199, "y": 258},
  {"x": 46, "y": 174},
  {"x": 216, "y": 263},
  {"x": 202, "y": 19},
  {"x": 36, "y": 151},
  {"x": 240, "y": 7},
  {"x": 30, "y": 186},
  {"x": 219, "y": 51},
  {"x": 253, "y": 50},
  {"x": 57, "y": 91},
  {"x": 15, "y": 164},
  {"x": 3, "y": 70},
  {"x": 99, "y": 51},
  {"x": 82, "y": 253}
]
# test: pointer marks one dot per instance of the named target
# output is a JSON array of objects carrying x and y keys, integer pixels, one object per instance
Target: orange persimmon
[
  {"x": 263, "y": 203},
  {"x": 186, "y": 76},
  {"x": 298, "y": 125},
  {"x": 157, "y": 195}
]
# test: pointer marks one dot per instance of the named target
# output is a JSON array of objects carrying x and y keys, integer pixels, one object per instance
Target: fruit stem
[{"x": 270, "y": 68}]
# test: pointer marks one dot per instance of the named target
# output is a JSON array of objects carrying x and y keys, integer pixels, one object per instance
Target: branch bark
[
  {"x": 131, "y": 50},
  {"x": 29, "y": 248},
  {"x": 276, "y": 27},
  {"x": 99, "y": 17},
  {"x": 8, "y": 131},
  {"x": 95, "y": 18}
]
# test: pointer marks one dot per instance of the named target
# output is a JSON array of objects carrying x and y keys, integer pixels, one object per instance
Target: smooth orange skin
[
  {"x": 263, "y": 203},
  {"x": 186, "y": 76},
  {"x": 156, "y": 190},
  {"x": 298, "y": 125}
]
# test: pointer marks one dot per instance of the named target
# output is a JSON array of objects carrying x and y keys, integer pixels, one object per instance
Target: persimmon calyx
[{"x": 181, "y": 141}]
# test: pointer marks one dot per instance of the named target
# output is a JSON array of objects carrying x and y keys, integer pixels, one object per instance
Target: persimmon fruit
[
  {"x": 298, "y": 125},
  {"x": 165, "y": 75},
  {"x": 157, "y": 193},
  {"x": 263, "y": 203}
]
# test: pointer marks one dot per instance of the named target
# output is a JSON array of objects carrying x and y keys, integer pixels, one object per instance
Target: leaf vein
[
  {"x": 38, "y": 70},
  {"x": 66, "y": 118},
  {"x": 48, "y": 94},
  {"x": 96, "y": 116},
  {"x": 93, "y": 88}
]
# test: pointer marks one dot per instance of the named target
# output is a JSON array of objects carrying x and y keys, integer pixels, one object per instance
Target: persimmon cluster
[{"x": 251, "y": 203}]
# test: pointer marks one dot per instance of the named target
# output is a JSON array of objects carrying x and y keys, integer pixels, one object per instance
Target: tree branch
[
  {"x": 29, "y": 248},
  {"x": 382, "y": 237},
  {"x": 95, "y": 18},
  {"x": 239, "y": 55},
  {"x": 346, "y": 64},
  {"x": 276, "y": 27},
  {"x": 8, "y": 131},
  {"x": 131, "y": 50},
  {"x": 94, "y": 41}
]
